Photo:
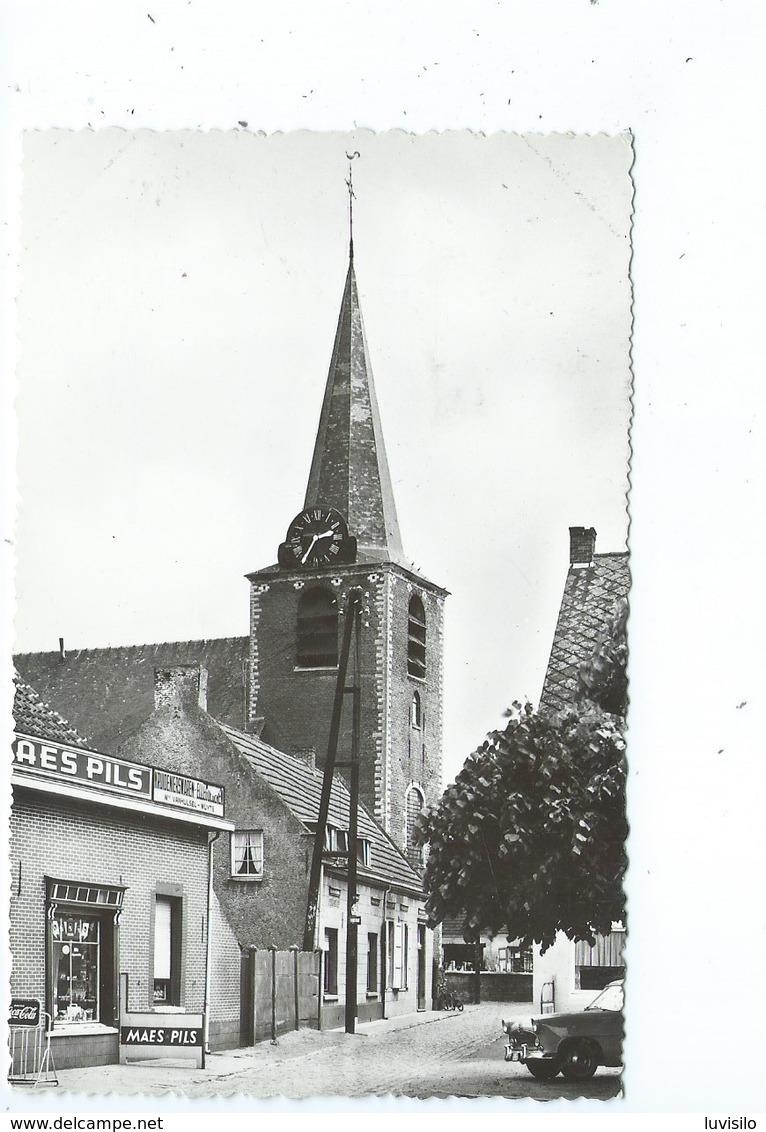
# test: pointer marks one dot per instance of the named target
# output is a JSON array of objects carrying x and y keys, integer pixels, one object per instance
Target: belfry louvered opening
[
  {"x": 416, "y": 638},
  {"x": 317, "y": 629}
]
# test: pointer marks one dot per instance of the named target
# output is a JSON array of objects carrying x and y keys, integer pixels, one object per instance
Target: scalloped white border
[{"x": 686, "y": 80}]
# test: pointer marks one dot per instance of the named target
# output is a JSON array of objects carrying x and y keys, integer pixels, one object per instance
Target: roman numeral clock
[{"x": 317, "y": 537}]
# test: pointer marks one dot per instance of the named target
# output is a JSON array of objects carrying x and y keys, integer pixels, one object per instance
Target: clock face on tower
[{"x": 318, "y": 536}]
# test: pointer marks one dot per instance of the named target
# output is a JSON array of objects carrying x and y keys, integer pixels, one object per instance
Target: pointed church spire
[{"x": 349, "y": 470}]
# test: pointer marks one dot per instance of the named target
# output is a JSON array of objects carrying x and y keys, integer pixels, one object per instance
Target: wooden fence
[{"x": 281, "y": 992}]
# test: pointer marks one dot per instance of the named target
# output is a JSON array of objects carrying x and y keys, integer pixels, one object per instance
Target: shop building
[{"x": 110, "y": 876}]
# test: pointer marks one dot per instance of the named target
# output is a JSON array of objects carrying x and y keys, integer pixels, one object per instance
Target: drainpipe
[{"x": 211, "y": 840}]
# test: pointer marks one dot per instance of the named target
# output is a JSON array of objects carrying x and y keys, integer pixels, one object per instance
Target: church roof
[
  {"x": 32, "y": 716},
  {"x": 591, "y": 594},
  {"x": 108, "y": 693},
  {"x": 349, "y": 470},
  {"x": 300, "y": 787}
]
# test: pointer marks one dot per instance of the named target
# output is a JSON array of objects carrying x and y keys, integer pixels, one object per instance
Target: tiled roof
[
  {"x": 300, "y": 788},
  {"x": 108, "y": 693},
  {"x": 591, "y": 594},
  {"x": 35, "y": 718}
]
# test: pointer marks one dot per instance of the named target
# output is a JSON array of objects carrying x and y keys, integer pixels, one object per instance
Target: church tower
[{"x": 347, "y": 535}]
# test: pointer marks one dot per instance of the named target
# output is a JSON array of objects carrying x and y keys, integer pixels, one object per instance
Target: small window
[
  {"x": 247, "y": 854},
  {"x": 416, "y": 638},
  {"x": 405, "y": 955},
  {"x": 331, "y": 961},
  {"x": 391, "y": 951},
  {"x": 335, "y": 840},
  {"x": 364, "y": 851},
  {"x": 317, "y": 629},
  {"x": 167, "y": 951},
  {"x": 372, "y": 963},
  {"x": 601, "y": 963},
  {"x": 416, "y": 713}
]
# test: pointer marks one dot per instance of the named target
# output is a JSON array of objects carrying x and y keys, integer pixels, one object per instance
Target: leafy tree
[{"x": 530, "y": 837}]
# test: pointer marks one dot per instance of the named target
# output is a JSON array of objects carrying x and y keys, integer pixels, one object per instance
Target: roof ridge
[{"x": 135, "y": 647}]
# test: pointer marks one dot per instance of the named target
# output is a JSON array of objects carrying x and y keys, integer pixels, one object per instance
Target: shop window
[
  {"x": 372, "y": 962},
  {"x": 331, "y": 961},
  {"x": 81, "y": 984},
  {"x": 76, "y": 952},
  {"x": 416, "y": 713},
  {"x": 247, "y": 854},
  {"x": 167, "y": 951},
  {"x": 317, "y": 629},
  {"x": 515, "y": 960},
  {"x": 416, "y": 638},
  {"x": 599, "y": 963}
]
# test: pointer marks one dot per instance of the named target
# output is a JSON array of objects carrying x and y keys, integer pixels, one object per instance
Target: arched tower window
[
  {"x": 416, "y": 711},
  {"x": 416, "y": 638},
  {"x": 414, "y": 804},
  {"x": 317, "y": 629}
]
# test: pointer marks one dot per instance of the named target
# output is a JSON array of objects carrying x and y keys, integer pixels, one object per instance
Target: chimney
[
  {"x": 582, "y": 545},
  {"x": 307, "y": 755},
  {"x": 183, "y": 685},
  {"x": 62, "y": 650}
]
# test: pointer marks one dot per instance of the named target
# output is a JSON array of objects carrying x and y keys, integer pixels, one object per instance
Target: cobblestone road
[{"x": 432, "y": 1055}]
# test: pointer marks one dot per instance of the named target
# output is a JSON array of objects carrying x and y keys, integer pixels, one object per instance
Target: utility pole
[
  {"x": 351, "y": 633},
  {"x": 352, "y": 903}
]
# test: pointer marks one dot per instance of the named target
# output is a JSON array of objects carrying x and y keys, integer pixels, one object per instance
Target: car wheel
[
  {"x": 543, "y": 1070},
  {"x": 579, "y": 1061}
]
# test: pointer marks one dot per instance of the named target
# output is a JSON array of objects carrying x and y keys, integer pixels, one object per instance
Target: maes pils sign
[
  {"x": 47, "y": 760},
  {"x": 149, "y": 1036}
]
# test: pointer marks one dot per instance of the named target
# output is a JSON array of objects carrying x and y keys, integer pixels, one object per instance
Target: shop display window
[
  {"x": 76, "y": 968},
  {"x": 82, "y": 938}
]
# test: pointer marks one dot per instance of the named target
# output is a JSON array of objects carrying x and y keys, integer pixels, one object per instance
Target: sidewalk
[{"x": 162, "y": 1077}]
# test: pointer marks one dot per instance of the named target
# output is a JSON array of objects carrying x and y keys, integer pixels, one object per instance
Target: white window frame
[{"x": 237, "y": 846}]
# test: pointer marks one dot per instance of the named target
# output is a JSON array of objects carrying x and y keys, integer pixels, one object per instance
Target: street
[{"x": 425, "y": 1055}]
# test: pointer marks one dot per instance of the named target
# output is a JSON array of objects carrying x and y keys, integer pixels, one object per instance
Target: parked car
[{"x": 571, "y": 1044}]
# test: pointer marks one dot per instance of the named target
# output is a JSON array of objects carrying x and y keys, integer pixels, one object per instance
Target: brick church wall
[
  {"x": 414, "y": 754},
  {"x": 296, "y": 704}
]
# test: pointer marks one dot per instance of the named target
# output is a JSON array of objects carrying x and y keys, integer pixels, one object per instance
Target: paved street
[{"x": 426, "y": 1055}]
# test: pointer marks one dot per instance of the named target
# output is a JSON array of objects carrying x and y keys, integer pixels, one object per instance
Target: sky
[{"x": 179, "y": 298}]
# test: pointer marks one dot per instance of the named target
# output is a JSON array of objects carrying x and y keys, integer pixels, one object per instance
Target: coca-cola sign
[{"x": 24, "y": 1012}]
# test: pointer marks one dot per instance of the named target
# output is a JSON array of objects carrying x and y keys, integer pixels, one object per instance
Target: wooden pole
[
  {"x": 352, "y": 906},
  {"x": 352, "y": 613}
]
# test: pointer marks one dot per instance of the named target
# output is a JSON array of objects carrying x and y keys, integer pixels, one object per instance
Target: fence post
[
  {"x": 320, "y": 985},
  {"x": 273, "y": 993},
  {"x": 295, "y": 987}
]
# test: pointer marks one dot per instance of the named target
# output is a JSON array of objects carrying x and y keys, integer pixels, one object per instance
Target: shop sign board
[
  {"x": 153, "y": 1036},
  {"x": 179, "y": 790},
  {"x": 53, "y": 761},
  {"x": 24, "y": 1012}
]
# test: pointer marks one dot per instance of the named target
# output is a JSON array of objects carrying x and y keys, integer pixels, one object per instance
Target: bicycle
[{"x": 448, "y": 1000}]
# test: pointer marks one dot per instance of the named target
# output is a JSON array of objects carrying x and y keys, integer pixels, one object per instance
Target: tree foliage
[{"x": 530, "y": 838}]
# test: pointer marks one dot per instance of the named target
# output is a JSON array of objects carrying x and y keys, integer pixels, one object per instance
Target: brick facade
[{"x": 105, "y": 846}]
